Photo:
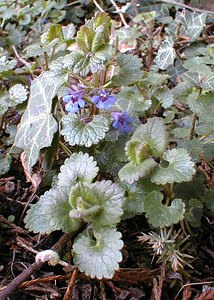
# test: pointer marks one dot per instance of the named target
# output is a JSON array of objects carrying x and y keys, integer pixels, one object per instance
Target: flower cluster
[
  {"x": 74, "y": 101},
  {"x": 103, "y": 100}
]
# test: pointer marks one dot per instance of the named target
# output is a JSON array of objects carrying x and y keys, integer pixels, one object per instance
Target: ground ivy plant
[{"x": 126, "y": 141}]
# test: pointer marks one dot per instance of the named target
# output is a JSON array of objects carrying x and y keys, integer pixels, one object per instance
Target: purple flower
[
  {"x": 122, "y": 121},
  {"x": 103, "y": 100},
  {"x": 74, "y": 101}
]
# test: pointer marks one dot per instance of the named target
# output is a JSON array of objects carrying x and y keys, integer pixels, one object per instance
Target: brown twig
[
  {"x": 191, "y": 132},
  {"x": 13, "y": 285},
  {"x": 71, "y": 283},
  {"x": 195, "y": 9}
]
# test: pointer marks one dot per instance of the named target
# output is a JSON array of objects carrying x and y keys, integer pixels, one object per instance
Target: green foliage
[{"x": 139, "y": 156}]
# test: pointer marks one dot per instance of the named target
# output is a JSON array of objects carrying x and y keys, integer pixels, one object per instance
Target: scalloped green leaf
[
  {"x": 18, "y": 94},
  {"x": 76, "y": 132},
  {"x": 209, "y": 199},
  {"x": 166, "y": 54},
  {"x": 79, "y": 167},
  {"x": 5, "y": 64},
  {"x": 160, "y": 215},
  {"x": 175, "y": 167},
  {"x": 51, "y": 213},
  {"x": 130, "y": 173},
  {"x": 85, "y": 38},
  {"x": 154, "y": 134},
  {"x": 194, "y": 211},
  {"x": 131, "y": 100},
  {"x": 37, "y": 125},
  {"x": 129, "y": 69},
  {"x": 165, "y": 96},
  {"x": 200, "y": 80},
  {"x": 98, "y": 256},
  {"x": 137, "y": 151},
  {"x": 99, "y": 203}
]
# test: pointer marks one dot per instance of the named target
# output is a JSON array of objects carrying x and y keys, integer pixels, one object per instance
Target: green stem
[
  {"x": 96, "y": 79},
  {"x": 60, "y": 107},
  {"x": 46, "y": 62},
  {"x": 81, "y": 79},
  {"x": 20, "y": 78},
  {"x": 65, "y": 148}
]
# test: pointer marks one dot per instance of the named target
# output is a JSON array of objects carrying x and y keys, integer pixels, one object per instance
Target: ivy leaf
[
  {"x": 194, "y": 211},
  {"x": 79, "y": 167},
  {"x": 51, "y": 213},
  {"x": 193, "y": 23},
  {"x": 175, "y": 167},
  {"x": 160, "y": 215},
  {"x": 99, "y": 203},
  {"x": 37, "y": 125},
  {"x": 130, "y": 173},
  {"x": 154, "y": 134},
  {"x": 166, "y": 53},
  {"x": 76, "y": 132},
  {"x": 98, "y": 256},
  {"x": 131, "y": 100},
  {"x": 198, "y": 79},
  {"x": 129, "y": 69}
]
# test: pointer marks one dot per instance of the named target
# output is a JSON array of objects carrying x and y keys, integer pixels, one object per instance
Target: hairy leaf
[
  {"x": 98, "y": 258},
  {"x": 79, "y": 167},
  {"x": 154, "y": 134},
  {"x": 160, "y": 215},
  {"x": 37, "y": 125},
  {"x": 175, "y": 167},
  {"x": 130, "y": 173},
  {"x": 51, "y": 213},
  {"x": 99, "y": 203},
  {"x": 76, "y": 132},
  {"x": 129, "y": 69}
]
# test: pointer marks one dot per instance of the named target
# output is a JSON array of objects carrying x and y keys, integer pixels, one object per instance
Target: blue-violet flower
[
  {"x": 103, "y": 100},
  {"x": 122, "y": 121},
  {"x": 74, "y": 101}
]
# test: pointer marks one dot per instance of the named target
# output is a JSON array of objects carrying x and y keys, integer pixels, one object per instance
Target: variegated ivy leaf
[
  {"x": 175, "y": 167},
  {"x": 51, "y": 213},
  {"x": 98, "y": 255},
  {"x": 160, "y": 215},
  {"x": 37, "y": 124},
  {"x": 166, "y": 53},
  {"x": 154, "y": 134},
  {"x": 129, "y": 69},
  {"x": 18, "y": 94},
  {"x": 99, "y": 203},
  {"x": 79, "y": 167},
  {"x": 130, "y": 173},
  {"x": 198, "y": 79},
  {"x": 193, "y": 23},
  {"x": 77, "y": 131}
]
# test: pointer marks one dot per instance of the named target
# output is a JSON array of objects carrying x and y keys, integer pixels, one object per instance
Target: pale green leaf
[
  {"x": 160, "y": 215},
  {"x": 68, "y": 31},
  {"x": 209, "y": 199},
  {"x": 137, "y": 151},
  {"x": 4, "y": 164},
  {"x": 99, "y": 203},
  {"x": 194, "y": 211},
  {"x": 85, "y": 38},
  {"x": 165, "y": 96},
  {"x": 200, "y": 80},
  {"x": 77, "y": 132},
  {"x": 5, "y": 64},
  {"x": 131, "y": 100},
  {"x": 37, "y": 124},
  {"x": 175, "y": 167},
  {"x": 79, "y": 167},
  {"x": 129, "y": 69},
  {"x": 98, "y": 256},
  {"x": 166, "y": 53},
  {"x": 18, "y": 94},
  {"x": 51, "y": 213},
  {"x": 130, "y": 173},
  {"x": 154, "y": 134}
]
